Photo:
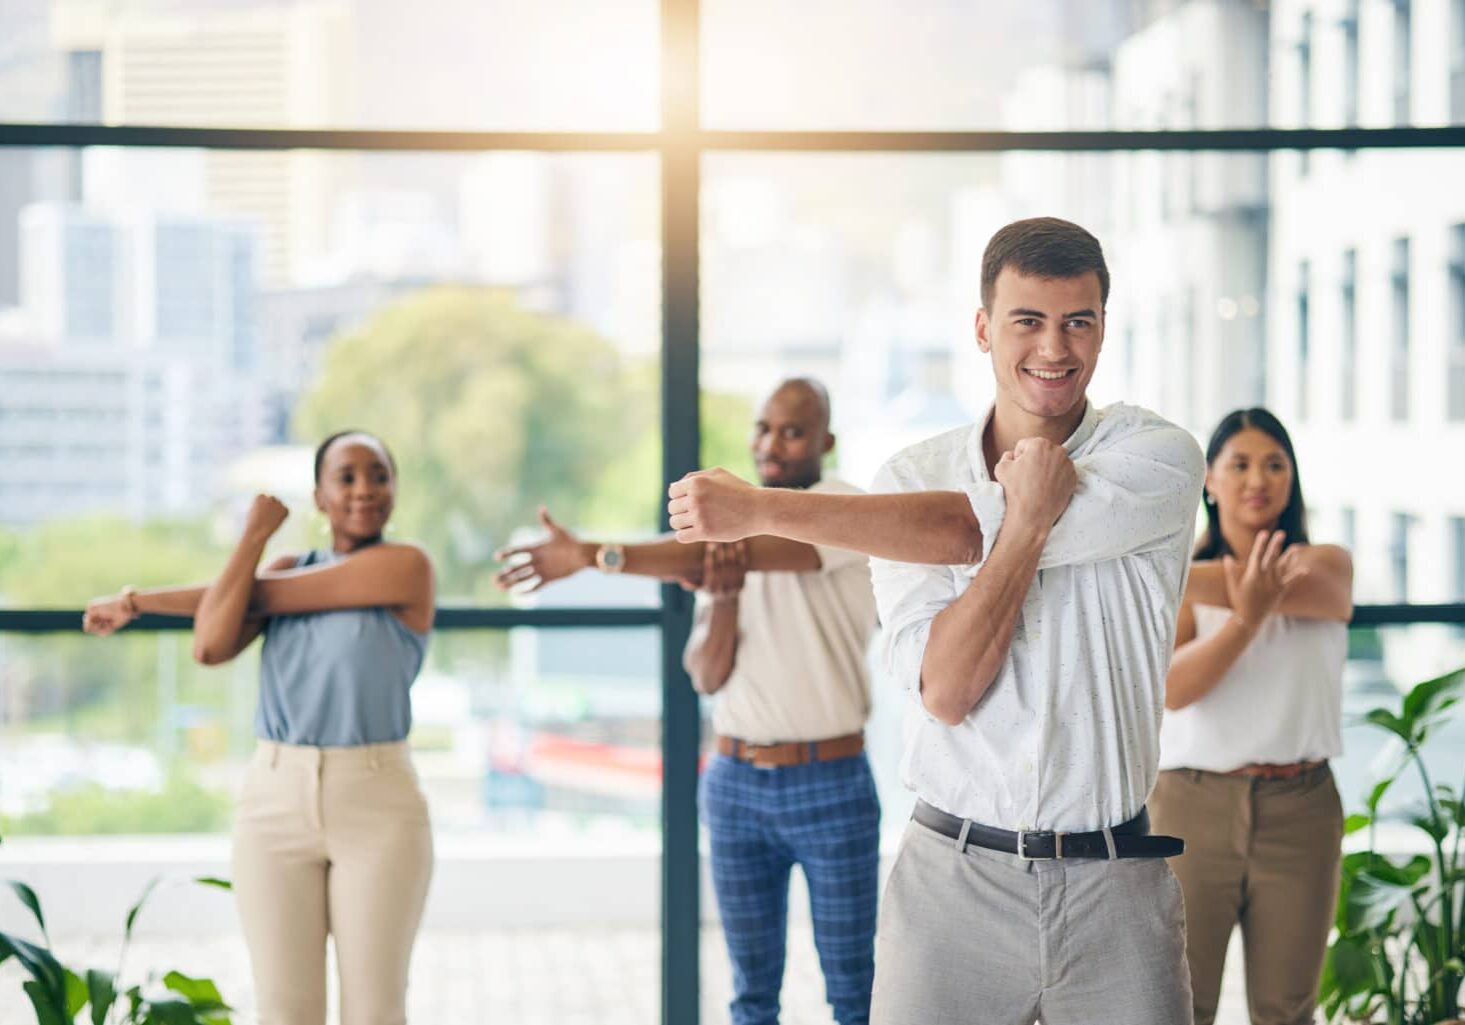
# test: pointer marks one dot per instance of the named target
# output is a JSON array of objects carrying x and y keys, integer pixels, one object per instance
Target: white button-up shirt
[{"x": 1067, "y": 736}]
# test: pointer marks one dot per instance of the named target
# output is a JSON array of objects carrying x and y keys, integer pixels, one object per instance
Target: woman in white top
[{"x": 1253, "y": 713}]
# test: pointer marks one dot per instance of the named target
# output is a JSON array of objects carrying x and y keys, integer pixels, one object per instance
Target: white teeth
[{"x": 1048, "y": 375}]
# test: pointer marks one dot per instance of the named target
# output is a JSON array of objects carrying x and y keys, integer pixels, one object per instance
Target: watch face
[{"x": 612, "y": 558}]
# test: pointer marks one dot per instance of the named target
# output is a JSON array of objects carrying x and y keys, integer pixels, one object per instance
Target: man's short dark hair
[{"x": 1043, "y": 247}]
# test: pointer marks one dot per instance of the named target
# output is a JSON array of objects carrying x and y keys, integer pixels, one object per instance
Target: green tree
[
  {"x": 63, "y": 681},
  {"x": 183, "y": 806},
  {"x": 9, "y": 552},
  {"x": 490, "y": 410},
  {"x": 64, "y": 563},
  {"x": 629, "y": 491}
]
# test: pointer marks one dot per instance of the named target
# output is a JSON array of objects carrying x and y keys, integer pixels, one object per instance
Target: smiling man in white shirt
[{"x": 1028, "y": 571}]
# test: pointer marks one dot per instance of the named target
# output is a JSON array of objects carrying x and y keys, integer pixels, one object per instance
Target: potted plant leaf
[
  {"x": 1399, "y": 954},
  {"x": 58, "y": 994}
]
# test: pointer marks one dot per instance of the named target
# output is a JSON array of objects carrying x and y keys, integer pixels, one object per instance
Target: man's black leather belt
[{"x": 1130, "y": 839}]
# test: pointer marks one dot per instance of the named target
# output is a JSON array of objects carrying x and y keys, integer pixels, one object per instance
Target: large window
[
  {"x": 1457, "y": 558},
  {"x": 1400, "y": 312},
  {"x": 1457, "y": 60},
  {"x": 1304, "y": 339},
  {"x": 455, "y": 64},
  {"x": 1348, "y": 25},
  {"x": 1455, "y": 326},
  {"x": 1403, "y": 60},
  {"x": 1304, "y": 78},
  {"x": 1400, "y": 527},
  {"x": 1348, "y": 335},
  {"x": 551, "y": 250},
  {"x": 189, "y": 323}
]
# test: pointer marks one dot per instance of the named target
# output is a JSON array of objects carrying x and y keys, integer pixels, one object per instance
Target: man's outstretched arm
[
  {"x": 560, "y": 554},
  {"x": 932, "y": 527}
]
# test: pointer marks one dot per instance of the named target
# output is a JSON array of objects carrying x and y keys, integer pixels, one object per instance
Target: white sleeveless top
[{"x": 1280, "y": 702}]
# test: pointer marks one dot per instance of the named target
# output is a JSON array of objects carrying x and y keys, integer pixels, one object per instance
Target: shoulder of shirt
[
  {"x": 926, "y": 457},
  {"x": 1120, "y": 420},
  {"x": 1125, "y": 418}
]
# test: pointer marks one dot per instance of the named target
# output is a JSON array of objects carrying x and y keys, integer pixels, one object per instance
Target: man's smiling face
[{"x": 1044, "y": 336}]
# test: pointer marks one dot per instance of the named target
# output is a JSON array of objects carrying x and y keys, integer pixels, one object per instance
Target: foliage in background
[
  {"x": 183, "y": 806},
  {"x": 618, "y": 499},
  {"x": 492, "y": 410},
  {"x": 58, "y": 994},
  {"x": 63, "y": 563},
  {"x": 489, "y": 408},
  {"x": 1399, "y": 954}
]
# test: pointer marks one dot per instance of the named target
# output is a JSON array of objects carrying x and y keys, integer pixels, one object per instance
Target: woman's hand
[
  {"x": 1256, "y": 587},
  {"x": 265, "y": 516},
  {"x": 105, "y": 616},
  {"x": 557, "y": 556}
]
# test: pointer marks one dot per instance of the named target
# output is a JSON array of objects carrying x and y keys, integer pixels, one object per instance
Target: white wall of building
[{"x": 1375, "y": 463}]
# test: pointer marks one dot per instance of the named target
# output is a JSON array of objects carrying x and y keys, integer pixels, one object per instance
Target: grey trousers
[{"x": 983, "y": 938}]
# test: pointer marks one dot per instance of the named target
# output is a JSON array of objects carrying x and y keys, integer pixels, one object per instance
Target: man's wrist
[
  {"x": 610, "y": 558},
  {"x": 768, "y": 512},
  {"x": 128, "y": 594},
  {"x": 1024, "y": 531},
  {"x": 586, "y": 554}
]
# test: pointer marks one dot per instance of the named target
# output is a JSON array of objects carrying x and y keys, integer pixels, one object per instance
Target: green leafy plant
[
  {"x": 1399, "y": 954},
  {"x": 182, "y": 806},
  {"x": 58, "y": 994}
]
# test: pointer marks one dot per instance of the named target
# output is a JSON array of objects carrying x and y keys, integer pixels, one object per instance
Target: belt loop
[
  {"x": 373, "y": 757},
  {"x": 737, "y": 749},
  {"x": 813, "y": 751},
  {"x": 966, "y": 827},
  {"x": 274, "y": 754},
  {"x": 1109, "y": 843}
]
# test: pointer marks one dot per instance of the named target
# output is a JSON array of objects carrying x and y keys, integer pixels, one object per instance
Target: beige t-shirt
[{"x": 800, "y": 669}]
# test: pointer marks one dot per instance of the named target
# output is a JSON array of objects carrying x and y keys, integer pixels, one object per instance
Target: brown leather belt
[
  {"x": 1290, "y": 770},
  {"x": 799, "y": 752}
]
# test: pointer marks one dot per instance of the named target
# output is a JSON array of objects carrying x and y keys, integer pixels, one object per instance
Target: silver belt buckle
[{"x": 1022, "y": 835}]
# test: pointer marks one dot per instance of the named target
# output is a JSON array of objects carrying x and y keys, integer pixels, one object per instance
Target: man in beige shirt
[{"x": 780, "y": 637}]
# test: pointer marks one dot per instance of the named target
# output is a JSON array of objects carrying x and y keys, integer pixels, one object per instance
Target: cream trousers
[{"x": 331, "y": 841}]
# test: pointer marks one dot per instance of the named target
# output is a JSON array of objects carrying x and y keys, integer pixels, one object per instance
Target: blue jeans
[{"x": 824, "y": 817}]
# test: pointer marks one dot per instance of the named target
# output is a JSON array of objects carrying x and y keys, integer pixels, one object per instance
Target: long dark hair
[{"x": 1293, "y": 521}]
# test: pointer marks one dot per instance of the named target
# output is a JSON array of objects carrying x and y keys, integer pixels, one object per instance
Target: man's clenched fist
[
  {"x": 713, "y": 505},
  {"x": 1039, "y": 479}
]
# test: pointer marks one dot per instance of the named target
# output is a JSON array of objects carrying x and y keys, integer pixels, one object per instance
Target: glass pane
[
  {"x": 864, "y": 270},
  {"x": 453, "y": 64},
  {"x": 526, "y": 733},
  {"x": 1384, "y": 663},
  {"x": 1077, "y": 64},
  {"x": 179, "y": 328},
  {"x": 538, "y": 751}
]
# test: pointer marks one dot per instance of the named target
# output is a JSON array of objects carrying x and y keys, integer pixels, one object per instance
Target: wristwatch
[{"x": 610, "y": 558}]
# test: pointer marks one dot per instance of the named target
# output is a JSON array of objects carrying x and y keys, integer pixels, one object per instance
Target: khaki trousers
[
  {"x": 977, "y": 937},
  {"x": 1262, "y": 854},
  {"x": 331, "y": 841}
]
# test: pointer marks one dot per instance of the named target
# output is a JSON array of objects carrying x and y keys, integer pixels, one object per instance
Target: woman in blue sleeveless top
[{"x": 331, "y": 832}]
